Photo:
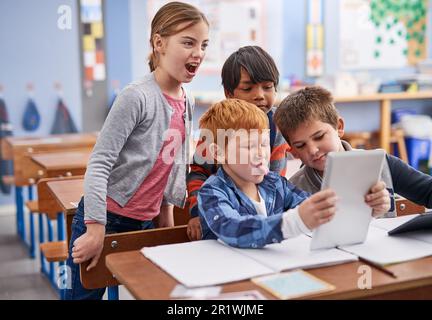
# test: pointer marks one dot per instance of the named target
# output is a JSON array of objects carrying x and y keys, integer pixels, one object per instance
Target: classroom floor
[{"x": 20, "y": 276}]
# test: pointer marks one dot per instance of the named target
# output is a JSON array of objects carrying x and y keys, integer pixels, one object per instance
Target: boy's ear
[
  {"x": 340, "y": 127},
  {"x": 294, "y": 153},
  {"x": 217, "y": 152},
  {"x": 228, "y": 95}
]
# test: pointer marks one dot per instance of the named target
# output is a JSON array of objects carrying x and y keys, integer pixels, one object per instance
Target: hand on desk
[
  {"x": 378, "y": 199},
  {"x": 194, "y": 229},
  {"x": 318, "y": 209},
  {"x": 89, "y": 245}
]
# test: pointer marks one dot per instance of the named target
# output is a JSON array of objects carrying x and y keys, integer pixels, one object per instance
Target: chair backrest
[
  {"x": 405, "y": 207},
  {"x": 100, "y": 276}
]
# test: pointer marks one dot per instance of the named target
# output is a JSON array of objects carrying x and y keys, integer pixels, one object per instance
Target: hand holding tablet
[{"x": 350, "y": 175}]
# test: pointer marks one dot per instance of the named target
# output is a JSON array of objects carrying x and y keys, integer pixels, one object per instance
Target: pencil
[{"x": 378, "y": 266}]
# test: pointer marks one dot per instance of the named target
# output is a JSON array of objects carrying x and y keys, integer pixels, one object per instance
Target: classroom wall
[
  {"x": 118, "y": 42},
  {"x": 141, "y": 48},
  {"x": 34, "y": 49}
]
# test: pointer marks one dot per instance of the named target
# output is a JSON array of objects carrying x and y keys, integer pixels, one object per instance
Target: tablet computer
[
  {"x": 421, "y": 222},
  {"x": 351, "y": 175}
]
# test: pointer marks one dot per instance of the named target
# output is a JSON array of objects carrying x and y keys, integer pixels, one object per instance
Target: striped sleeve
[
  {"x": 200, "y": 171},
  {"x": 279, "y": 155}
]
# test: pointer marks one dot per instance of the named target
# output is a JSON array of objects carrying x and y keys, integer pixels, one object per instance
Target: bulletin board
[
  {"x": 233, "y": 24},
  {"x": 382, "y": 33}
]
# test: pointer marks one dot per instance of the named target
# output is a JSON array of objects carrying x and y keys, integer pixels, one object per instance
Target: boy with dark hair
[
  {"x": 249, "y": 74},
  {"x": 312, "y": 126}
]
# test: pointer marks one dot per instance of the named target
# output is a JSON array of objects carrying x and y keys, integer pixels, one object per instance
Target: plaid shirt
[
  {"x": 201, "y": 170},
  {"x": 228, "y": 214}
]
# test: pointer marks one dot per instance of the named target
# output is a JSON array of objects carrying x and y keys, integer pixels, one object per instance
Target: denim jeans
[{"x": 115, "y": 224}]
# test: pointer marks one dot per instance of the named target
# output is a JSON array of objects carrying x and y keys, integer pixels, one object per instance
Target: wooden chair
[
  {"x": 398, "y": 138},
  {"x": 405, "y": 207},
  {"x": 52, "y": 251}
]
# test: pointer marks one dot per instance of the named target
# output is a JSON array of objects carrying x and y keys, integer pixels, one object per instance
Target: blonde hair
[
  {"x": 166, "y": 21},
  {"x": 233, "y": 114}
]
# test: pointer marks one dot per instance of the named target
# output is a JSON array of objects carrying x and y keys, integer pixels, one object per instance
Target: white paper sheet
[
  {"x": 383, "y": 249},
  {"x": 392, "y": 223},
  {"x": 204, "y": 263},
  {"x": 209, "y": 262},
  {"x": 295, "y": 253}
]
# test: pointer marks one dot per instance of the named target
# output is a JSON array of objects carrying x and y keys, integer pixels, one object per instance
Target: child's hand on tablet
[
  {"x": 318, "y": 209},
  {"x": 378, "y": 199}
]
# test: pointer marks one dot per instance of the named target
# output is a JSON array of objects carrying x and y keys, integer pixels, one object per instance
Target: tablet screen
[{"x": 350, "y": 174}]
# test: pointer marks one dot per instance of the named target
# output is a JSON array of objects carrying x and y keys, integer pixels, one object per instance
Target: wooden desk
[
  {"x": 61, "y": 195},
  {"x": 67, "y": 163},
  {"x": 21, "y": 149},
  {"x": 147, "y": 281},
  {"x": 67, "y": 193},
  {"x": 54, "y": 142}
]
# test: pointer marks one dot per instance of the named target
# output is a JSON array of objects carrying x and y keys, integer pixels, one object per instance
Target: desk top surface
[
  {"x": 52, "y": 139},
  {"x": 62, "y": 160},
  {"x": 147, "y": 281},
  {"x": 67, "y": 192}
]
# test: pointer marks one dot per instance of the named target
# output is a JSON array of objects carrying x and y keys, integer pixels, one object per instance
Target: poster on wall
[
  {"x": 382, "y": 33},
  {"x": 92, "y": 40},
  {"x": 233, "y": 24},
  {"x": 315, "y": 39}
]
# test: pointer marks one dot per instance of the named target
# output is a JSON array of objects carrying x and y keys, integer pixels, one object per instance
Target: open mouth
[
  {"x": 260, "y": 168},
  {"x": 192, "y": 67}
]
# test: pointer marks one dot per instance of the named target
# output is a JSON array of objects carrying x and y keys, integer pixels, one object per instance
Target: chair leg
[
  {"x": 19, "y": 200},
  {"x": 42, "y": 240},
  {"x": 32, "y": 235},
  {"x": 60, "y": 226},
  {"x": 32, "y": 250},
  {"x": 50, "y": 239}
]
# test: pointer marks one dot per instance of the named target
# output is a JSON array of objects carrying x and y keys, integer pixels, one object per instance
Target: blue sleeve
[
  {"x": 293, "y": 196},
  {"x": 410, "y": 183},
  {"x": 243, "y": 231}
]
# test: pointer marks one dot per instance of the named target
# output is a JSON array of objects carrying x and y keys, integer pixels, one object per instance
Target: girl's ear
[
  {"x": 159, "y": 43},
  {"x": 340, "y": 127},
  {"x": 217, "y": 152},
  {"x": 228, "y": 95}
]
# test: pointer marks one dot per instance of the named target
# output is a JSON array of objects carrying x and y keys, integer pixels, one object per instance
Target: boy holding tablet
[
  {"x": 244, "y": 204},
  {"x": 310, "y": 123}
]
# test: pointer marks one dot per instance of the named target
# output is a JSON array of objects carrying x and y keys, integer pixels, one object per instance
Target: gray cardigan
[{"x": 128, "y": 146}]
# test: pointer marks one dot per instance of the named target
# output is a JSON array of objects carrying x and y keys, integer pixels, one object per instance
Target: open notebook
[
  {"x": 210, "y": 262},
  {"x": 383, "y": 249}
]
